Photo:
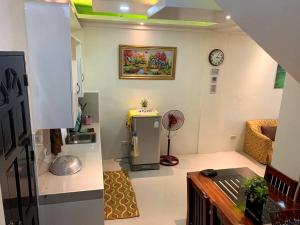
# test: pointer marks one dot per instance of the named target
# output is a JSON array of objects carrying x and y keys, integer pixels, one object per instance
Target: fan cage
[{"x": 173, "y": 120}]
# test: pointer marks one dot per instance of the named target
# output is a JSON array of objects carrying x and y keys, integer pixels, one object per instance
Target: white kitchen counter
[
  {"x": 88, "y": 179},
  {"x": 75, "y": 199}
]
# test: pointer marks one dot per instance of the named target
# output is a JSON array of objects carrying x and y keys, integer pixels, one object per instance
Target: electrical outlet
[
  {"x": 233, "y": 137},
  {"x": 38, "y": 139}
]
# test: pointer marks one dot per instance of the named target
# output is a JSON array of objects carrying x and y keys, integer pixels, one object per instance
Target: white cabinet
[
  {"x": 78, "y": 212},
  {"x": 52, "y": 75}
]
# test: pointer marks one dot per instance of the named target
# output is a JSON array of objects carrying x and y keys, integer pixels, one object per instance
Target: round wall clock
[{"x": 216, "y": 57}]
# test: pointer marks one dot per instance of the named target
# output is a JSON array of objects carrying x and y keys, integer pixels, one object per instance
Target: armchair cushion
[{"x": 268, "y": 131}]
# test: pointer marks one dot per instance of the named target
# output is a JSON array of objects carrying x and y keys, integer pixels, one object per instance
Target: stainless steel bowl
[{"x": 65, "y": 165}]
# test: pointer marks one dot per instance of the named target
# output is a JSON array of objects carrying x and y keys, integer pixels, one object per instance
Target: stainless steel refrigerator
[{"x": 144, "y": 139}]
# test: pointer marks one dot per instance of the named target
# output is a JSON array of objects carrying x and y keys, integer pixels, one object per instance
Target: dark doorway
[{"x": 17, "y": 175}]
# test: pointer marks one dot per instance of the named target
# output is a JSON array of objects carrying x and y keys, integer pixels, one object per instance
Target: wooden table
[{"x": 207, "y": 203}]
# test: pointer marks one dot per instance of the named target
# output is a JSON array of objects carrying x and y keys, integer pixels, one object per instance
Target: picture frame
[
  {"x": 213, "y": 89},
  {"x": 147, "y": 62},
  {"x": 214, "y": 71},
  {"x": 280, "y": 77},
  {"x": 214, "y": 79}
]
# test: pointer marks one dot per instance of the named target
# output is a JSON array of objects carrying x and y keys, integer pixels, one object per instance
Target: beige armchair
[{"x": 257, "y": 145}]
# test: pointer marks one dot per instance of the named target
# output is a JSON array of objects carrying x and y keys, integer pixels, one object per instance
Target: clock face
[{"x": 216, "y": 57}]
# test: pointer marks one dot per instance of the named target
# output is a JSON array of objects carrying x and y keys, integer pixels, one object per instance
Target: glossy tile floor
[{"x": 161, "y": 194}]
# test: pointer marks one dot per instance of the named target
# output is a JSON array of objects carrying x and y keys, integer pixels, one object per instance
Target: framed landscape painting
[{"x": 146, "y": 62}]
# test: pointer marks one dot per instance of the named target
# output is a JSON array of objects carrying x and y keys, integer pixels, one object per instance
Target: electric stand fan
[{"x": 172, "y": 121}]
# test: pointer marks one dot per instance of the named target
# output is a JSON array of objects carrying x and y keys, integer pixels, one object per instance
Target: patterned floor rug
[{"x": 119, "y": 197}]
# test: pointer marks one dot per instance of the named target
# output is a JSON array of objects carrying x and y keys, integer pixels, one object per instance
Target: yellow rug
[{"x": 119, "y": 197}]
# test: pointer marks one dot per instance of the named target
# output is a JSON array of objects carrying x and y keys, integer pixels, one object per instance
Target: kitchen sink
[{"x": 85, "y": 137}]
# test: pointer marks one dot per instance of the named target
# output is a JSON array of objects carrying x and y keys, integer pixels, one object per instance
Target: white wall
[
  {"x": 117, "y": 96},
  {"x": 245, "y": 89},
  {"x": 12, "y": 33},
  {"x": 286, "y": 157},
  {"x": 12, "y": 26}
]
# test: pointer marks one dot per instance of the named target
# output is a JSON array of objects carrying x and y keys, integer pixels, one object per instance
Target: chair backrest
[
  {"x": 256, "y": 124},
  {"x": 280, "y": 181},
  {"x": 298, "y": 197}
]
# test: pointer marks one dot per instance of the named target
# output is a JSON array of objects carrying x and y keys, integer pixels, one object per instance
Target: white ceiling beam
[
  {"x": 156, "y": 8},
  {"x": 192, "y": 10},
  {"x": 197, "y": 4}
]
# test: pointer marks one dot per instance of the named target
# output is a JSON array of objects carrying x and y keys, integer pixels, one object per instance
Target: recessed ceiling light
[
  {"x": 228, "y": 17},
  {"x": 124, "y": 8},
  {"x": 142, "y": 23}
]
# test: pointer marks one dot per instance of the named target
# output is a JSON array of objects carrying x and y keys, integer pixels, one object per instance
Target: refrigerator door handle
[{"x": 135, "y": 142}]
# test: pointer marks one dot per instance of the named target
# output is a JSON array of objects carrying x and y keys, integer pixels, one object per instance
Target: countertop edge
[{"x": 70, "y": 197}]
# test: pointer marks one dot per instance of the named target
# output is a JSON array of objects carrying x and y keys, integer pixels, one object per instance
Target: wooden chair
[
  {"x": 285, "y": 217},
  {"x": 281, "y": 182}
]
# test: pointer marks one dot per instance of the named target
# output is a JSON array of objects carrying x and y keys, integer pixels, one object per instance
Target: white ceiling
[
  {"x": 274, "y": 25},
  {"x": 172, "y": 10},
  {"x": 135, "y": 6},
  {"x": 154, "y": 6}
]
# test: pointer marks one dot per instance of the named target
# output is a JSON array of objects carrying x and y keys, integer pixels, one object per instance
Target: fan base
[{"x": 168, "y": 160}]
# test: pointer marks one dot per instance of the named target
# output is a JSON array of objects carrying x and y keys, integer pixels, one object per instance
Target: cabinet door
[
  {"x": 75, "y": 88},
  {"x": 49, "y": 54},
  {"x": 80, "y": 72}
]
